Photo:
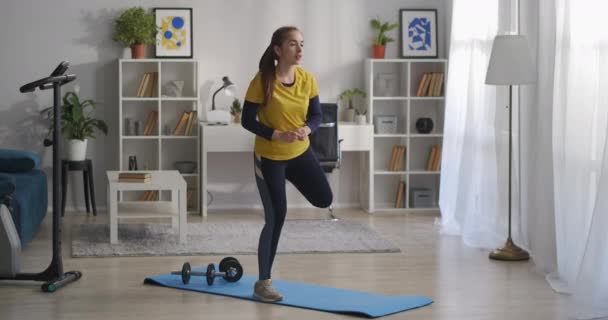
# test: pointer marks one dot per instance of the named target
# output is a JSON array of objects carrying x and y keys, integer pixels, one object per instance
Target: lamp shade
[{"x": 510, "y": 61}]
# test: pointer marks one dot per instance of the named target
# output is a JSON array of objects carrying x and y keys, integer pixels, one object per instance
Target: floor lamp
[{"x": 510, "y": 64}]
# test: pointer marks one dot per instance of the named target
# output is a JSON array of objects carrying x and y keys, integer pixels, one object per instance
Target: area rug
[{"x": 222, "y": 238}]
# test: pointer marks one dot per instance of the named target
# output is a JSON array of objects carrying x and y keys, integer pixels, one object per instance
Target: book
[
  {"x": 400, "y": 158},
  {"x": 151, "y": 121},
  {"x": 437, "y": 159},
  {"x": 142, "y": 84},
  {"x": 134, "y": 174},
  {"x": 188, "y": 123},
  {"x": 431, "y": 158},
  {"x": 194, "y": 121},
  {"x": 420, "y": 92},
  {"x": 134, "y": 180},
  {"x": 181, "y": 124},
  {"x": 400, "y": 193}
]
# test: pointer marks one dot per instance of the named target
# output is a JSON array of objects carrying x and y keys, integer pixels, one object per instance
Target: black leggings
[{"x": 305, "y": 173}]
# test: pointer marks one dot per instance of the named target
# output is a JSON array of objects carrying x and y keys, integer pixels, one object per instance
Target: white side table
[{"x": 161, "y": 180}]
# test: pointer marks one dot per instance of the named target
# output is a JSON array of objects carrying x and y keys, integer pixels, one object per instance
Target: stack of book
[
  {"x": 186, "y": 123},
  {"x": 430, "y": 84},
  {"x": 397, "y": 158},
  {"x": 148, "y": 84},
  {"x": 433, "y": 162},
  {"x": 134, "y": 177}
]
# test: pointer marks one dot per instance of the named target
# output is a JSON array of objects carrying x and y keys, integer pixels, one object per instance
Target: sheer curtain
[
  {"x": 469, "y": 188},
  {"x": 580, "y": 116}
]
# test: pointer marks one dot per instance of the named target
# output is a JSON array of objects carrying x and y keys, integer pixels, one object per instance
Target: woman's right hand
[{"x": 285, "y": 136}]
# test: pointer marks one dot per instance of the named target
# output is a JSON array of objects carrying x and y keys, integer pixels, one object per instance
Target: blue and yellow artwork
[
  {"x": 173, "y": 33},
  {"x": 419, "y": 34}
]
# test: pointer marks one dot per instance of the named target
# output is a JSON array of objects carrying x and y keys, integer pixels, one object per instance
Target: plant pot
[
  {"x": 349, "y": 115},
  {"x": 378, "y": 51},
  {"x": 76, "y": 149},
  {"x": 138, "y": 51},
  {"x": 236, "y": 118},
  {"x": 361, "y": 119}
]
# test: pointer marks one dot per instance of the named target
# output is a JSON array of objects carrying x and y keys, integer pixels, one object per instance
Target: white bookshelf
[
  {"x": 392, "y": 85},
  {"x": 160, "y": 149}
]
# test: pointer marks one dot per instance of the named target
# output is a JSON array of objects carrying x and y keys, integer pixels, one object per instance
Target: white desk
[{"x": 234, "y": 138}]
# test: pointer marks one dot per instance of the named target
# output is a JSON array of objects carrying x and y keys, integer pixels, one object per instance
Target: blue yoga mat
[{"x": 301, "y": 295}]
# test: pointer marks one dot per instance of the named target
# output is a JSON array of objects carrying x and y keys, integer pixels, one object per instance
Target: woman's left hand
[{"x": 302, "y": 133}]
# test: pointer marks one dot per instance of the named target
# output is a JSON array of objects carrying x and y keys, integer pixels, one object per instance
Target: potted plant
[
  {"x": 349, "y": 95},
  {"x": 360, "y": 117},
  {"x": 77, "y": 124},
  {"x": 235, "y": 110},
  {"x": 135, "y": 28},
  {"x": 381, "y": 39}
]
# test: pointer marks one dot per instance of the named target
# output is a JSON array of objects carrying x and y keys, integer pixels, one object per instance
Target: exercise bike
[{"x": 53, "y": 276}]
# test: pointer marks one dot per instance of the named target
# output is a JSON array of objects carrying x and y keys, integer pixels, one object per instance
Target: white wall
[{"x": 229, "y": 37}]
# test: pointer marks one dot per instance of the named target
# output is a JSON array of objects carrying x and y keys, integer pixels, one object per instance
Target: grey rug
[{"x": 298, "y": 236}]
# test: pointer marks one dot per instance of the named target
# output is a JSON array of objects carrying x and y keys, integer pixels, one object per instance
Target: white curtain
[
  {"x": 579, "y": 155},
  {"x": 469, "y": 190}
]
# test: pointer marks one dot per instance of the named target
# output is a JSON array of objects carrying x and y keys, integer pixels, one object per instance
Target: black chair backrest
[{"x": 324, "y": 141}]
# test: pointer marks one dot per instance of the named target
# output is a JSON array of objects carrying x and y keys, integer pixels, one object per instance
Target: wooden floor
[{"x": 464, "y": 283}]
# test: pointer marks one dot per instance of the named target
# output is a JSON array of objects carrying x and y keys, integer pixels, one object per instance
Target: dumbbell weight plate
[
  {"x": 210, "y": 274},
  {"x": 186, "y": 273},
  {"x": 239, "y": 271},
  {"x": 223, "y": 263}
]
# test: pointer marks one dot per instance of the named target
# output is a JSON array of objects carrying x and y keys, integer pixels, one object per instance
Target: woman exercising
[{"x": 285, "y": 99}]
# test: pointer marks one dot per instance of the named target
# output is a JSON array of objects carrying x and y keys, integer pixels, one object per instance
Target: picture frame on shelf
[
  {"x": 174, "y": 37},
  {"x": 418, "y": 33},
  {"x": 386, "y": 84}
]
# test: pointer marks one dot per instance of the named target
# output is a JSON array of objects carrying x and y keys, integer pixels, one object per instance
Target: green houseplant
[
  {"x": 381, "y": 39},
  {"x": 235, "y": 110},
  {"x": 348, "y": 96},
  {"x": 135, "y": 28},
  {"x": 77, "y": 124}
]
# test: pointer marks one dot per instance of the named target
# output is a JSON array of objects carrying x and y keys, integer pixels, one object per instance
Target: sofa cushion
[
  {"x": 29, "y": 203},
  {"x": 12, "y": 160}
]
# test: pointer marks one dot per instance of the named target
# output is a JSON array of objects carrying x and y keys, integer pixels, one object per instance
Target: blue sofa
[{"x": 22, "y": 179}]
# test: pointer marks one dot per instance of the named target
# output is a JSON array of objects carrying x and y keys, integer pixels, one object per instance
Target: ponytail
[
  {"x": 267, "y": 62},
  {"x": 267, "y": 72}
]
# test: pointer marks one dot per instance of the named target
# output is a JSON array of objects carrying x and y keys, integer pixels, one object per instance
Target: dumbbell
[{"x": 230, "y": 269}]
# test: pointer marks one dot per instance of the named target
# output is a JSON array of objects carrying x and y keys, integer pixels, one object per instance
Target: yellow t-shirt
[{"x": 286, "y": 111}]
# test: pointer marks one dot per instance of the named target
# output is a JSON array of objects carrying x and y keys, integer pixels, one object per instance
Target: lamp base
[
  {"x": 510, "y": 252},
  {"x": 218, "y": 117}
]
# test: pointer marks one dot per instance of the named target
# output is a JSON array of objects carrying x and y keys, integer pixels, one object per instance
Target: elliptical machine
[{"x": 53, "y": 277}]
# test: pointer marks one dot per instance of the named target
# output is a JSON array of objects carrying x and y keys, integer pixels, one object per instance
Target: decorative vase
[
  {"x": 424, "y": 125},
  {"x": 138, "y": 51},
  {"x": 378, "y": 51},
  {"x": 174, "y": 88},
  {"x": 132, "y": 163},
  {"x": 76, "y": 149}
]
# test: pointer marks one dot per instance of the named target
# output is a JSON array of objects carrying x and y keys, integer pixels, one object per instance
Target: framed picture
[
  {"x": 174, "y": 37},
  {"x": 418, "y": 33}
]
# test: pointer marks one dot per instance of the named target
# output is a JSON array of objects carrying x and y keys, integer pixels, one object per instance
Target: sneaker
[{"x": 264, "y": 291}]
